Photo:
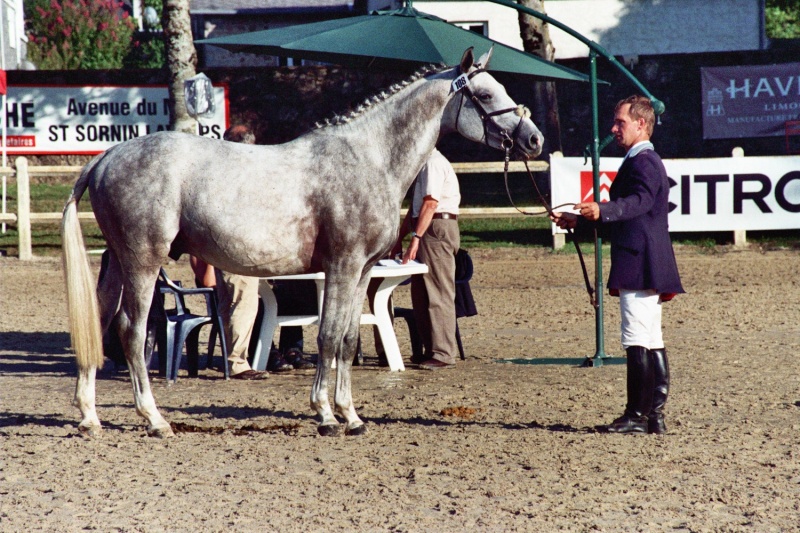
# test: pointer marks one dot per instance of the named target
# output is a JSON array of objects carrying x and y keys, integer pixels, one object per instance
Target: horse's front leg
[
  {"x": 133, "y": 332},
  {"x": 343, "y": 396},
  {"x": 344, "y": 363},
  {"x": 338, "y": 338},
  {"x": 328, "y": 425}
]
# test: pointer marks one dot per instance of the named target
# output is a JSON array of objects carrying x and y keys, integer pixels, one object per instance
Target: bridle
[
  {"x": 487, "y": 117},
  {"x": 508, "y": 144}
]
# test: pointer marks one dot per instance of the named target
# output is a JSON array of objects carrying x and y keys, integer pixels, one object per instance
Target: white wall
[
  {"x": 625, "y": 27},
  {"x": 12, "y": 34}
]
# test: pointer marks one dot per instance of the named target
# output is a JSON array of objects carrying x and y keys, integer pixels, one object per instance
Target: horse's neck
[{"x": 410, "y": 124}]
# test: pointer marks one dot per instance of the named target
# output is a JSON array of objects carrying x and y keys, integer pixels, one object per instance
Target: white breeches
[{"x": 641, "y": 319}]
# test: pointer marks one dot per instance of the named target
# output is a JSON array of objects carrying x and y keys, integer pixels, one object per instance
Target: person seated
[{"x": 294, "y": 297}]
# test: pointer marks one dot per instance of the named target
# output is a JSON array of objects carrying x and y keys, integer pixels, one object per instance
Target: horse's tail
[{"x": 84, "y": 314}]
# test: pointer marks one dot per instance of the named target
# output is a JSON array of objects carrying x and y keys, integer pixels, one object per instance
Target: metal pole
[{"x": 599, "y": 354}]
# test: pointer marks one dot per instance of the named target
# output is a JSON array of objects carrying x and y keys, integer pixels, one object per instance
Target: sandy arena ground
[{"x": 487, "y": 446}]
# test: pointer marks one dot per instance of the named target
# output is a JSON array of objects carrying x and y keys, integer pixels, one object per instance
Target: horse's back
[{"x": 236, "y": 205}]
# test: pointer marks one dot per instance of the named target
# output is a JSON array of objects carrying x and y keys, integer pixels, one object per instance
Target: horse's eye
[{"x": 485, "y": 97}]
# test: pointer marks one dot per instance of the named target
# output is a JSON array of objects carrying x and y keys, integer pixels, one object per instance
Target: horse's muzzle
[{"x": 529, "y": 143}]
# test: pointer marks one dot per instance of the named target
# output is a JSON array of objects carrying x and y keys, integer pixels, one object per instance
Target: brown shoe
[
  {"x": 250, "y": 375},
  {"x": 433, "y": 364}
]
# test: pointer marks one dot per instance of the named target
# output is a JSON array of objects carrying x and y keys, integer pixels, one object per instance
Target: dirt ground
[{"x": 507, "y": 441}]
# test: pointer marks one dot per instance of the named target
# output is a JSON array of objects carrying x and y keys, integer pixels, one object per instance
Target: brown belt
[{"x": 445, "y": 216}]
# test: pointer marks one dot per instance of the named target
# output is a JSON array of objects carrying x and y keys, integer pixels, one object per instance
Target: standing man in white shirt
[{"x": 435, "y": 239}]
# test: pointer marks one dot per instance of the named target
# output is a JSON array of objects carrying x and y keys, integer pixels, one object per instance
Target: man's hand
[
  {"x": 411, "y": 251},
  {"x": 589, "y": 210},
  {"x": 564, "y": 220}
]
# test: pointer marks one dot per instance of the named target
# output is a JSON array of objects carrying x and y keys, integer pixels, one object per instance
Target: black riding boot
[
  {"x": 655, "y": 420},
  {"x": 640, "y": 393}
]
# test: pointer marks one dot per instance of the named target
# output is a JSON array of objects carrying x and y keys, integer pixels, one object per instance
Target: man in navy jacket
[{"x": 643, "y": 269}]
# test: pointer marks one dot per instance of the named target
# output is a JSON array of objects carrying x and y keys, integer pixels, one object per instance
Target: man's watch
[{"x": 415, "y": 234}]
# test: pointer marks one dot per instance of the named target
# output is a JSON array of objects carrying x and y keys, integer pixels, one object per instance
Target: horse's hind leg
[
  {"x": 136, "y": 300},
  {"x": 109, "y": 289},
  {"x": 85, "y": 402}
]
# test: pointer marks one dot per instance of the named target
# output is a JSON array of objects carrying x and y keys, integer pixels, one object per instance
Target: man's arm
[{"x": 426, "y": 212}]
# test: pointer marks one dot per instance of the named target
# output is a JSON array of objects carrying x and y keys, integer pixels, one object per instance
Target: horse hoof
[
  {"x": 329, "y": 430},
  {"x": 160, "y": 432},
  {"x": 356, "y": 431},
  {"x": 90, "y": 431}
]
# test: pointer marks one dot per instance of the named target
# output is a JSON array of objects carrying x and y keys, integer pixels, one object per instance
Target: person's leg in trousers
[
  {"x": 438, "y": 248},
  {"x": 640, "y": 313},
  {"x": 238, "y": 302}
]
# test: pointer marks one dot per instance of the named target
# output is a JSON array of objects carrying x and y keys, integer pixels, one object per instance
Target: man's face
[{"x": 627, "y": 131}]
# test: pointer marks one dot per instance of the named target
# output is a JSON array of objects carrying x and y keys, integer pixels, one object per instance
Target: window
[{"x": 481, "y": 28}]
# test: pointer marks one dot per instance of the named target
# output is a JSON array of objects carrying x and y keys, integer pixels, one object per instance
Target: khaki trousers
[
  {"x": 238, "y": 304},
  {"x": 433, "y": 294}
]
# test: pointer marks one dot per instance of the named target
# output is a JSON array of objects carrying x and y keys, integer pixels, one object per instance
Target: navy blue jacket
[{"x": 635, "y": 222}]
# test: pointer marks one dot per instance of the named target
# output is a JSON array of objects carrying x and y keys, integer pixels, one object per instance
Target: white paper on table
[{"x": 396, "y": 262}]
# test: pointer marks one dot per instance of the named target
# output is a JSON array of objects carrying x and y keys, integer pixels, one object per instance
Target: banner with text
[
  {"x": 749, "y": 101},
  {"x": 89, "y": 120},
  {"x": 720, "y": 194}
]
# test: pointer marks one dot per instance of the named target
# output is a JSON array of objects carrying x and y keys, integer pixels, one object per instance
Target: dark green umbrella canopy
[{"x": 387, "y": 36}]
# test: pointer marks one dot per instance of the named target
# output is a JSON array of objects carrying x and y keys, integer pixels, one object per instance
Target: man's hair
[
  {"x": 239, "y": 134},
  {"x": 641, "y": 107}
]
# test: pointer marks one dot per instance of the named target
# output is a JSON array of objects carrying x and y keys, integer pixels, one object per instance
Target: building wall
[
  {"x": 12, "y": 34},
  {"x": 626, "y": 27}
]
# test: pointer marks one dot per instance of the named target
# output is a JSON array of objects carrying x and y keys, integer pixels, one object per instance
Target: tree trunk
[
  {"x": 535, "y": 35},
  {"x": 181, "y": 61}
]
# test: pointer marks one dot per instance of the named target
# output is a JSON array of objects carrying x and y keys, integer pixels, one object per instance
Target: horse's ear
[
  {"x": 484, "y": 60},
  {"x": 467, "y": 60}
]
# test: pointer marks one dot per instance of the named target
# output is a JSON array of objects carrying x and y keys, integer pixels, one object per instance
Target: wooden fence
[{"x": 24, "y": 218}]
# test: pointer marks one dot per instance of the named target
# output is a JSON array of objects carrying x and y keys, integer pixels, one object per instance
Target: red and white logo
[{"x": 587, "y": 185}]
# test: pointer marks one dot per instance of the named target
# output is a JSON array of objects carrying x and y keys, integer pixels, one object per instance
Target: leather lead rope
[{"x": 549, "y": 211}]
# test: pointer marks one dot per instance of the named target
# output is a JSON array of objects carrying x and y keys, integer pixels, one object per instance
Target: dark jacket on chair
[
  {"x": 465, "y": 303},
  {"x": 635, "y": 221}
]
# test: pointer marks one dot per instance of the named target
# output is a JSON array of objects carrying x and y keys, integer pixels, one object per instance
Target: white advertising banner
[
  {"x": 91, "y": 119},
  {"x": 719, "y": 194}
]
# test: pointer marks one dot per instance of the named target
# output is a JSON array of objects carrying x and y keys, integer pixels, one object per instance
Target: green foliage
[
  {"x": 148, "y": 49},
  {"x": 782, "y": 19},
  {"x": 77, "y": 34}
]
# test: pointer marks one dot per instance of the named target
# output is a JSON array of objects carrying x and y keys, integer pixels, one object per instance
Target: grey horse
[{"x": 327, "y": 201}]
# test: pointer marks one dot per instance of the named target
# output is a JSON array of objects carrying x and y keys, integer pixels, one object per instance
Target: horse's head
[{"x": 482, "y": 111}]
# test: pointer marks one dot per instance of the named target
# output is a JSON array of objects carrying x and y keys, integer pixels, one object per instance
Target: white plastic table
[{"x": 392, "y": 274}]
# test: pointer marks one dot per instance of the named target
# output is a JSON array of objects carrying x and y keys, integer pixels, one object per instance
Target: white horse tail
[{"x": 84, "y": 315}]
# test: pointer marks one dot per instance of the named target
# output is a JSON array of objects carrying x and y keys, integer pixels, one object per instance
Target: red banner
[{"x": 3, "y": 83}]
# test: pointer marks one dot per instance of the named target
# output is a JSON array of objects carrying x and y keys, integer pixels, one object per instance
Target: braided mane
[{"x": 382, "y": 96}]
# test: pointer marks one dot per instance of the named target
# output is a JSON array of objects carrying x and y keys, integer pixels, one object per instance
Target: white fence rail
[{"x": 23, "y": 218}]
